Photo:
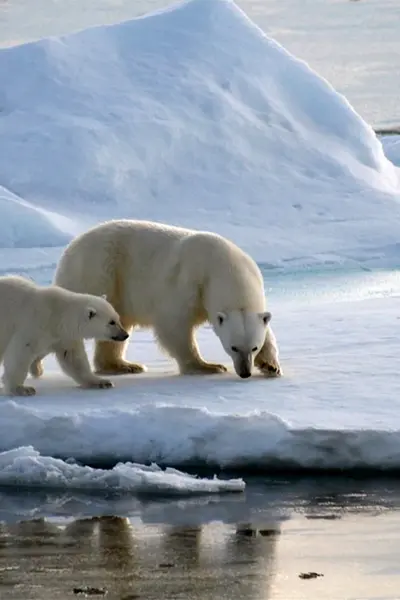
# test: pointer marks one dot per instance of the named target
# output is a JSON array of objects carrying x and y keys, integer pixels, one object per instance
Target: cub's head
[
  {"x": 100, "y": 321},
  {"x": 242, "y": 335}
]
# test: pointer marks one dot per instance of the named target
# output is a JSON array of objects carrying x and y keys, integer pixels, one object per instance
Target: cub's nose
[{"x": 121, "y": 336}]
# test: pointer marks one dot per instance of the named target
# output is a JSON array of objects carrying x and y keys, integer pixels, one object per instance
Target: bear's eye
[
  {"x": 234, "y": 349},
  {"x": 112, "y": 322},
  {"x": 254, "y": 349},
  {"x": 92, "y": 313}
]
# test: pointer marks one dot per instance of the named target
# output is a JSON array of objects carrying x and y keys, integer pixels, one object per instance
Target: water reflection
[
  {"x": 204, "y": 548},
  {"x": 41, "y": 559}
]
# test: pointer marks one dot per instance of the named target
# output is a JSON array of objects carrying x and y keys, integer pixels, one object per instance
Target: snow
[
  {"x": 194, "y": 117},
  {"x": 169, "y": 118},
  {"x": 351, "y": 44},
  {"x": 391, "y": 145},
  {"x": 26, "y": 225}
]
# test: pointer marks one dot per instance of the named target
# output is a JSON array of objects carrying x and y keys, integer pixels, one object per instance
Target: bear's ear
[
  {"x": 221, "y": 318},
  {"x": 91, "y": 313},
  {"x": 266, "y": 317},
  {"x": 104, "y": 296}
]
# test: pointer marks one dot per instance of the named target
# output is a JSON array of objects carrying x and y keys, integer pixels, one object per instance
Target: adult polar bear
[{"x": 172, "y": 280}]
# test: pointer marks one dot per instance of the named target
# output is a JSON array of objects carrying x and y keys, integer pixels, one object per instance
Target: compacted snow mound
[{"x": 195, "y": 117}]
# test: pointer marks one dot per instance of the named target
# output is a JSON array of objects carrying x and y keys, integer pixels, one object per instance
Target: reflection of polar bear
[
  {"x": 172, "y": 280},
  {"x": 37, "y": 320}
]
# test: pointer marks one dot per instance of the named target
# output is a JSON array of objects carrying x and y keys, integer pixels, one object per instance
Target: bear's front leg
[
  {"x": 109, "y": 356},
  {"x": 267, "y": 360},
  {"x": 108, "y": 360},
  {"x": 179, "y": 341},
  {"x": 17, "y": 359},
  {"x": 73, "y": 360}
]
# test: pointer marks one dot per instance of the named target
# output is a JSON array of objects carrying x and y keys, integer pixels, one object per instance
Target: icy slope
[
  {"x": 195, "y": 117},
  {"x": 391, "y": 146},
  {"x": 23, "y": 225}
]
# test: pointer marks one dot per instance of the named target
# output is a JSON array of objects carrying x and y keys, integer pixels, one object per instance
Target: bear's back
[
  {"x": 17, "y": 300},
  {"x": 16, "y": 288}
]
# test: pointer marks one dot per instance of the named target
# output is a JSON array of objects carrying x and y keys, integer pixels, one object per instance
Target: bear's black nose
[
  {"x": 120, "y": 337},
  {"x": 245, "y": 375}
]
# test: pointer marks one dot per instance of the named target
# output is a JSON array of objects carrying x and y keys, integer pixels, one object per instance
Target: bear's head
[
  {"x": 99, "y": 320},
  {"x": 242, "y": 334}
]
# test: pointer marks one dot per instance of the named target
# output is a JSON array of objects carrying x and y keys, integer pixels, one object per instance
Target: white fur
[
  {"x": 171, "y": 279},
  {"x": 37, "y": 320}
]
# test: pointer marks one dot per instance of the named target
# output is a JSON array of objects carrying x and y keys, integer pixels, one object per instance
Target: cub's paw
[{"x": 22, "y": 390}]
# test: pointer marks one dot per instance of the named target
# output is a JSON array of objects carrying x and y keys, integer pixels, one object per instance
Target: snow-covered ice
[
  {"x": 194, "y": 117},
  {"x": 24, "y": 466},
  {"x": 326, "y": 412}
]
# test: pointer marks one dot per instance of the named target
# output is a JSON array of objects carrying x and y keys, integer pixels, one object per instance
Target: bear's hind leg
[
  {"x": 73, "y": 360},
  {"x": 179, "y": 341},
  {"x": 109, "y": 356},
  {"x": 36, "y": 369}
]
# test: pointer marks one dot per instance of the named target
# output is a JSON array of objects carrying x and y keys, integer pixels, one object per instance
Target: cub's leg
[
  {"x": 18, "y": 356},
  {"x": 73, "y": 360}
]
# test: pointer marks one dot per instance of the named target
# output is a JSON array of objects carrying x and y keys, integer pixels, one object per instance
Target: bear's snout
[
  {"x": 245, "y": 374},
  {"x": 121, "y": 336},
  {"x": 243, "y": 367}
]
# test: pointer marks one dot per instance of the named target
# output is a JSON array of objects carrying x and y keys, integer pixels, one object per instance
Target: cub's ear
[
  {"x": 266, "y": 317},
  {"x": 104, "y": 296},
  {"x": 221, "y": 318},
  {"x": 91, "y": 313}
]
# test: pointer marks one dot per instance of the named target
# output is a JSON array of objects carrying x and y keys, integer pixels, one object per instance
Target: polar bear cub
[
  {"x": 35, "y": 321},
  {"x": 172, "y": 280}
]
